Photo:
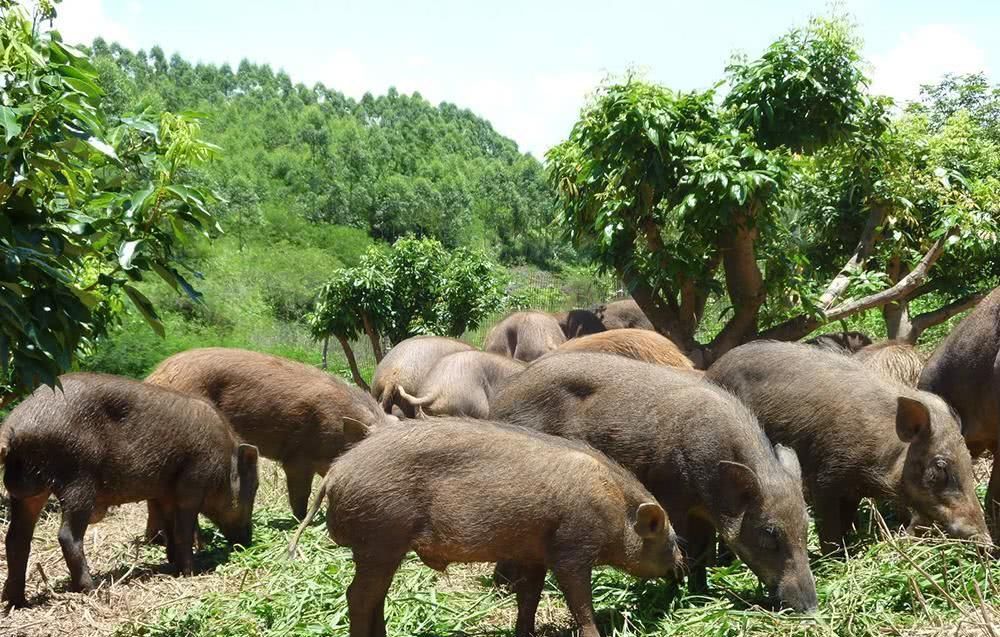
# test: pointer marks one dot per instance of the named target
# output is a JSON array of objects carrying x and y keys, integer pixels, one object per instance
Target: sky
[{"x": 525, "y": 66}]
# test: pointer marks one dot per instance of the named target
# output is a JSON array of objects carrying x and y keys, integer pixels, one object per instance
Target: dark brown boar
[
  {"x": 576, "y": 323},
  {"x": 102, "y": 441},
  {"x": 525, "y": 336},
  {"x": 459, "y": 491},
  {"x": 642, "y": 345},
  {"x": 406, "y": 365},
  {"x": 292, "y": 412},
  {"x": 462, "y": 384},
  {"x": 623, "y": 314},
  {"x": 965, "y": 371},
  {"x": 857, "y": 435},
  {"x": 692, "y": 444},
  {"x": 895, "y": 360},
  {"x": 841, "y": 342}
]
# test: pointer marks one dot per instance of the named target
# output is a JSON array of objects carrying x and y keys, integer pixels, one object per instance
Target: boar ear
[
  {"x": 355, "y": 430},
  {"x": 913, "y": 419},
  {"x": 650, "y": 519},
  {"x": 244, "y": 466},
  {"x": 789, "y": 461},
  {"x": 738, "y": 488}
]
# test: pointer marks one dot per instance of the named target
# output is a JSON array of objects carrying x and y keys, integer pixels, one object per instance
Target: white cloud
[
  {"x": 80, "y": 21},
  {"x": 922, "y": 56}
]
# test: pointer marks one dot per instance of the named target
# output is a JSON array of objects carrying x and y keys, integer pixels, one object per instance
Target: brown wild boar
[
  {"x": 965, "y": 371},
  {"x": 895, "y": 360},
  {"x": 858, "y": 435},
  {"x": 576, "y": 323},
  {"x": 692, "y": 444},
  {"x": 102, "y": 441},
  {"x": 525, "y": 336},
  {"x": 841, "y": 342},
  {"x": 292, "y": 412},
  {"x": 462, "y": 384},
  {"x": 619, "y": 315},
  {"x": 642, "y": 345},
  {"x": 406, "y": 365},
  {"x": 459, "y": 491}
]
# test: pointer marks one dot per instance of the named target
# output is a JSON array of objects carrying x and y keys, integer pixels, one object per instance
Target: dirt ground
[{"x": 134, "y": 582}]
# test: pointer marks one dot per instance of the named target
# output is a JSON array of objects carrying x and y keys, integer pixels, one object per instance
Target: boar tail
[
  {"x": 416, "y": 401},
  {"x": 293, "y": 546}
]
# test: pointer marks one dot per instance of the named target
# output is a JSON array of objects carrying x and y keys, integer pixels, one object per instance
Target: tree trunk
[
  {"x": 372, "y": 336},
  {"x": 355, "y": 373},
  {"x": 326, "y": 350},
  {"x": 897, "y": 314}
]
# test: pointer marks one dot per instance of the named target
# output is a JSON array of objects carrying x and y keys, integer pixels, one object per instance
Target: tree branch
[
  {"x": 355, "y": 373},
  {"x": 744, "y": 282},
  {"x": 929, "y": 319},
  {"x": 797, "y": 327},
  {"x": 866, "y": 244}
]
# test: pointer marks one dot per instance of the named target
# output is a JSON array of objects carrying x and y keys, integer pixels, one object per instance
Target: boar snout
[{"x": 798, "y": 594}]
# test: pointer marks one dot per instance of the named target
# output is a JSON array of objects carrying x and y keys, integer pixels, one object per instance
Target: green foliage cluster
[
  {"x": 415, "y": 287},
  {"x": 391, "y": 165},
  {"x": 792, "y": 201},
  {"x": 90, "y": 202}
]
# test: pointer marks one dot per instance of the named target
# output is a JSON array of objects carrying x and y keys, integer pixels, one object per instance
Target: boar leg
[
  {"x": 528, "y": 587},
  {"x": 992, "y": 507},
  {"x": 835, "y": 518},
  {"x": 366, "y": 595},
  {"x": 574, "y": 582},
  {"x": 185, "y": 523},
  {"x": 24, "y": 514},
  {"x": 700, "y": 549},
  {"x": 299, "y": 477},
  {"x": 155, "y": 525},
  {"x": 74, "y": 526}
]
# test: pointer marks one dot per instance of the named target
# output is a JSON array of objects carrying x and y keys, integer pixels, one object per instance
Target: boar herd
[{"x": 572, "y": 440}]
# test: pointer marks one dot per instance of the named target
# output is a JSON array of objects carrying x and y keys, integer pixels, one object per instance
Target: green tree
[
  {"x": 90, "y": 203},
  {"x": 694, "y": 203},
  {"x": 415, "y": 287}
]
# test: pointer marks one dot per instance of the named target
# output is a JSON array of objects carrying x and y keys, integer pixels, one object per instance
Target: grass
[{"x": 889, "y": 585}]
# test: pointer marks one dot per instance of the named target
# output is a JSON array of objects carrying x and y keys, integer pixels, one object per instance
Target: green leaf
[
  {"x": 8, "y": 120},
  {"x": 127, "y": 252},
  {"x": 145, "y": 308}
]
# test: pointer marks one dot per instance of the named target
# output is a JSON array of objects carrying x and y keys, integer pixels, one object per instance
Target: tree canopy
[
  {"x": 91, "y": 203},
  {"x": 793, "y": 200},
  {"x": 392, "y": 165}
]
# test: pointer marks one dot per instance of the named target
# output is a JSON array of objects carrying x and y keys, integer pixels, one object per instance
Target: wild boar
[
  {"x": 623, "y": 314},
  {"x": 101, "y": 441},
  {"x": 406, "y": 365},
  {"x": 525, "y": 336},
  {"x": 576, "y": 323},
  {"x": 692, "y": 444},
  {"x": 841, "y": 342},
  {"x": 462, "y": 384},
  {"x": 857, "y": 435},
  {"x": 292, "y": 412},
  {"x": 458, "y": 491},
  {"x": 895, "y": 360},
  {"x": 641, "y": 345},
  {"x": 965, "y": 371}
]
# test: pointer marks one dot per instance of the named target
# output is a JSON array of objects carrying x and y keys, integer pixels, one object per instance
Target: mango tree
[{"x": 89, "y": 204}]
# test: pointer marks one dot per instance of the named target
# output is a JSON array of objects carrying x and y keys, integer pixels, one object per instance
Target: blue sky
[{"x": 528, "y": 66}]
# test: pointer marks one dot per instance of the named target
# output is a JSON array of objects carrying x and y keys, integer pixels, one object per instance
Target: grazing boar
[
  {"x": 462, "y": 384},
  {"x": 965, "y": 371},
  {"x": 857, "y": 435},
  {"x": 642, "y": 345},
  {"x": 576, "y": 323},
  {"x": 101, "y": 441},
  {"x": 619, "y": 315},
  {"x": 459, "y": 491},
  {"x": 841, "y": 342},
  {"x": 525, "y": 336},
  {"x": 406, "y": 365},
  {"x": 895, "y": 360},
  {"x": 692, "y": 444},
  {"x": 292, "y": 412}
]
